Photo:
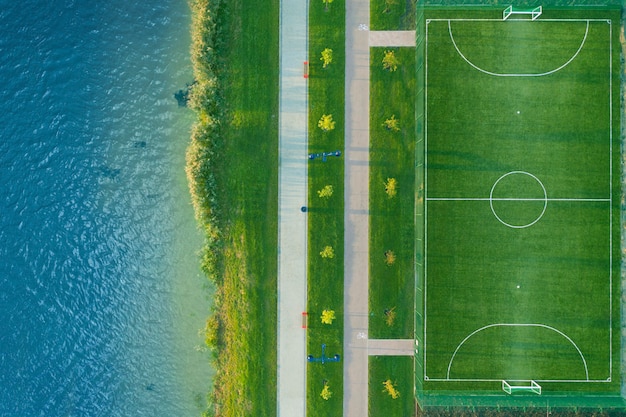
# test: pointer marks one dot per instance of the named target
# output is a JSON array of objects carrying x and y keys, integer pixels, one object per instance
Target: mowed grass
[
  {"x": 392, "y": 155},
  {"x": 392, "y": 14},
  {"x": 515, "y": 137},
  {"x": 399, "y": 370},
  {"x": 326, "y": 215},
  {"x": 248, "y": 184}
]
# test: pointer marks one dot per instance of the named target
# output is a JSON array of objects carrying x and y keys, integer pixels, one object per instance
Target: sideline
[{"x": 292, "y": 195}]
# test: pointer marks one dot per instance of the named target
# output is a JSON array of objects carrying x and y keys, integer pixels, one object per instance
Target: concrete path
[
  {"x": 292, "y": 228},
  {"x": 392, "y": 38},
  {"x": 391, "y": 347},
  {"x": 356, "y": 245}
]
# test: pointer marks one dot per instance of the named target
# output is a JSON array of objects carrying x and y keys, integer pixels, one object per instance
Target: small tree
[
  {"x": 390, "y": 62},
  {"x": 326, "y": 3},
  {"x": 327, "y": 57},
  {"x": 392, "y": 123},
  {"x": 390, "y": 388},
  {"x": 390, "y": 257},
  {"x": 390, "y": 316},
  {"x": 391, "y": 187},
  {"x": 326, "y": 393},
  {"x": 388, "y": 4},
  {"x": 326, "y": 123},
  {"x": 325, "y": 192},
  {"x": 327, "y": 252},
  {"x": 328, "y": 316}
]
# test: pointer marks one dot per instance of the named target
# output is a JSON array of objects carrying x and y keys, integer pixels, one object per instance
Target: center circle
[{"x": 518, "y": 199}]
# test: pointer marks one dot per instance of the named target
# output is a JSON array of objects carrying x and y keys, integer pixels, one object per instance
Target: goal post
[
  {"x": 515, "y": 386},
  {"x": 533, "y": 13}
]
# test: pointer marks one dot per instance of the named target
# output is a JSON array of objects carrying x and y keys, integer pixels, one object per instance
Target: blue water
[{"x": 100, "y": 294}]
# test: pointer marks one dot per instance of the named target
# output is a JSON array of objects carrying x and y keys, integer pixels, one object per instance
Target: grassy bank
[
  {"x": 325, "y": 217},
  {"x": 232, "y": 171}
]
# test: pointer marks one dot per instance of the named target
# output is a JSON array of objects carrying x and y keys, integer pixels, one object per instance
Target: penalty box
[{"x": 472, "y": 185}]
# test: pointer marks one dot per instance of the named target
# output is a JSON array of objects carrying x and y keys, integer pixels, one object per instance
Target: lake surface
[{"x": 101, "y": 297}]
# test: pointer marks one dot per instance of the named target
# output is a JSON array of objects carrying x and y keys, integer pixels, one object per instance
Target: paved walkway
[
  {"x": 392, "y": 38},
  {"x": 356, "y": 245},
  {"x": 292, "y": 228},
  {"x": 391, "y": 347}
]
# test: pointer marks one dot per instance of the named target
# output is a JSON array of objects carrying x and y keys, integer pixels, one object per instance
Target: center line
[{"x": 517, "y": 199}]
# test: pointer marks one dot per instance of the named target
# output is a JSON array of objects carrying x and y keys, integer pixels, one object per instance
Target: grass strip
[
  {"x": 396, "y": 371},
  {"x": 232, "y": 169},
  {"x": 326, "y": 215},
  {"x": 392, "y": 14},
  {"x": 392, "y": 156}
]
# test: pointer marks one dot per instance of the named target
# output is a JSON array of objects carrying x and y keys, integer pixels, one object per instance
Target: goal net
[
  {"x": 533, "y": 13},
  {"x": 530, "y": 386}
]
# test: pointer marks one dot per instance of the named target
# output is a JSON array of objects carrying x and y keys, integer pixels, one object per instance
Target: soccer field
[{"x": 521, "y": 244}]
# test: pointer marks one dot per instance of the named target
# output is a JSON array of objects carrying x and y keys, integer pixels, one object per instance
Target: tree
[
  {"x": 327, "y": 57},
  {"x": 391, "y": 187},
  {"x": 390, "y": 257},
  {"x": 327, "y": 252},
  {"x": 328, "y": 316},
  {"x": 325, "y": 192},
  {"x": 390, "y": 388},
  {"x": 390, "y": 316},
  {"x": 326, "y": 3},
  {"x": 390, "y": 62},
  {"x": 326, "y": 123},
  {"x": 388, "y": 4},
  {"x": 392, "y": 123},
  {"x": 326, "y": 393}
]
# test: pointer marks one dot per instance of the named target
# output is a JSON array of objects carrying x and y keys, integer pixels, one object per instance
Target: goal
[
  {"x": 530, "y": 386},
  {"x": 533, "y": 13}
]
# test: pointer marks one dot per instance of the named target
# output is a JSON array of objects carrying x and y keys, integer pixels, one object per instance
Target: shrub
[
  {"x": 390, "y": 62},
  {"x": 390, "y": 257},
  {"x": 327, "y": 57},
  {"x": 391, "y": 187},
  {"x": 326, "y": 123},
  {"x": 326, "y": 192},
  {"x": 392, "y": 124},
  {"x": 326, "y": 393},
  {"x": 390, "y": 389},
  {"x": 328, "y": 316},
  {"x": 327, "y": 252}
]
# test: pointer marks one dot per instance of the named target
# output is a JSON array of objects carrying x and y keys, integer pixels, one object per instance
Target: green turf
[
  {"x": 502, "y": 247},
  {"x": 398, "y": 369},
  {"x": 325, "y": 216},
  {"x": 392, "y": 155}
]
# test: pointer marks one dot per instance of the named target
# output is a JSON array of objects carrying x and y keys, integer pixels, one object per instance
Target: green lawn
[
  {"x": 522, "y": 225},
  {"x": 392, "y": 155},
  {"x": 325, "y": 215},
  {"x": 399, "y": 370},
  {"x": 392, "y": 14}
]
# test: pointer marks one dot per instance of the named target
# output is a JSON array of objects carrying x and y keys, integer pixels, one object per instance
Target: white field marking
[
  {"x": 495, "y": 74},
  {"x": 425, "y": 192},
  {"x": 584, "y": 381},
  {"x": 582, "y": 357},
  {"x": 581, "y": 200},
  {"x": 611, "y": 205}
]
